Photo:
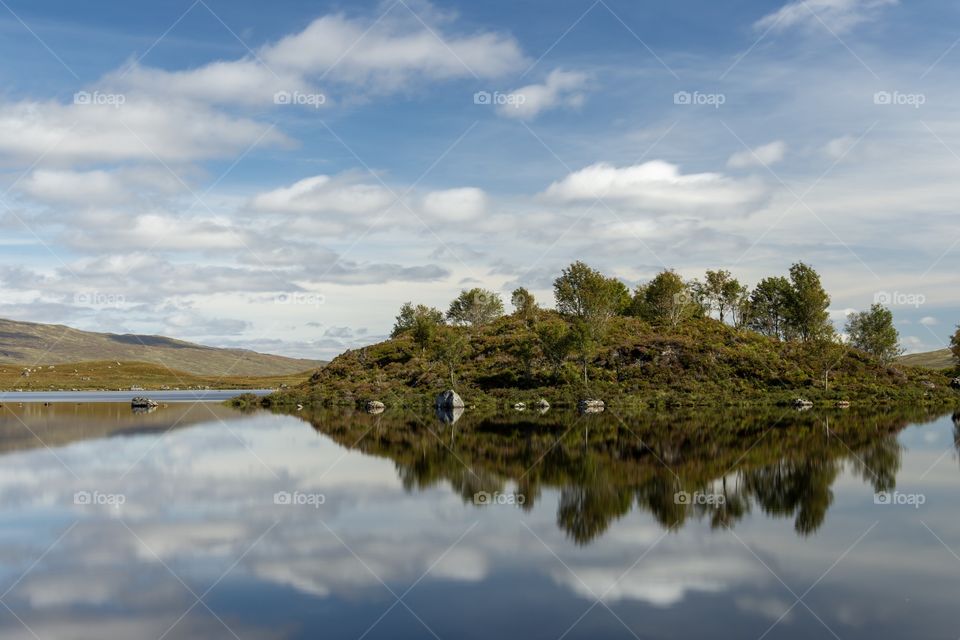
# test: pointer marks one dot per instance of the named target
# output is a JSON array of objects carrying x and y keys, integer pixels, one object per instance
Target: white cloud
[
  {"x": 764, "y": 155},
  {"x": 839, "y": 15},
  {"x": 561, "y": 88},
  {"x": 139, "y": 130},
  {"x": 363, "y": 55},
  {"x": 929, "y": 321},
  {"x": 455, "y": 205},
  {"x": 653, "y": 186},
  {"x": 323, "y": 194}
]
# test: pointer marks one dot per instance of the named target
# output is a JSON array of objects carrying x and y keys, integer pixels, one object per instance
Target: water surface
[{"x": 199, "y": 521}]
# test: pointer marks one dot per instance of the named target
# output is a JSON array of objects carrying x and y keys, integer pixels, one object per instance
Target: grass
[{"x": 113, "y": 376}]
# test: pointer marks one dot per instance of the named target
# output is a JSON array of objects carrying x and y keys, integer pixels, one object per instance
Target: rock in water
[
  {"x": 143, "y": 403},
  {"x": 449, "y": 400},
  {"x": 449, "y": 415},
  {"x": 542, "y": 404},
  {"x": 520, "y": 406},
  {"x": 375, "y": 406},
  {"x": 955, "y": 383},
  {"x": 591, "y": 406}
]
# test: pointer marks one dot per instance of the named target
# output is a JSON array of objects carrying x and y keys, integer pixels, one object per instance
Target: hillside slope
[
  {"x": 28, "y": 344},
  {"x": 942, "y": 359},
  {"x": 703, "y": 362}
]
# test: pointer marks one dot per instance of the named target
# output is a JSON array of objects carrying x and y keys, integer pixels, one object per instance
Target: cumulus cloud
[
  {"x": 655, "y": 186},
  {"x": 839, "y": 15},
  {"x": 764, "y": 155},
  {"x": 561, "y": 89}
]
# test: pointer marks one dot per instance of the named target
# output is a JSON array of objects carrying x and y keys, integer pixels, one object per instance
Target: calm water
[{"x": 196, "y": 521}]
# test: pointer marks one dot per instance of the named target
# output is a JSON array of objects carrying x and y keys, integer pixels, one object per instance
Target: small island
[{"x": 669, "y": 342}]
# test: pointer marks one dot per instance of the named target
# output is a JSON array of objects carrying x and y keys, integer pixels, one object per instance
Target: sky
[{"x": 283, "y": 178}]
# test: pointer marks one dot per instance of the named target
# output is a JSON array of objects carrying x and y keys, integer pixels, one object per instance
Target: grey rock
[
  {"x": 374, "y": 407},
  {"x": 449, "y": 400}
]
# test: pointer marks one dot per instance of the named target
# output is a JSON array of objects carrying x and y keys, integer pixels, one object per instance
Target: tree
[
  {"x": 719, "y": 292},
  {"x": 873, "y": 331},
  {"x": 807, "y": 314},
  {"x": 475, "y": 307},
  {"x": 666, "y": 299},
  {"x": 590, "y": 300},
  {"x": 424, "y": 328},
  {"x": 555, "y": 343},
  {"x": 955, "y": 344},
  {"x": 588, "y": 295},
  {"x": 768, "y": 307},
  {"x": 524, "y": 304},
  {"x": 409, "y": 315},
  {"x": 450, "y": 349}
]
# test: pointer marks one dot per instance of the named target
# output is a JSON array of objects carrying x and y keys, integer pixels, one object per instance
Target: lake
[{"x": 199, "y": 521}]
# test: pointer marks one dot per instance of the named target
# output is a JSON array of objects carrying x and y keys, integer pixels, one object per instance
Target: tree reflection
[{"x": 676, "y": 467}]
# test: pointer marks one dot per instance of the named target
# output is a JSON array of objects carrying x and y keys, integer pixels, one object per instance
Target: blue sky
[{"x": 154, "y": 179}]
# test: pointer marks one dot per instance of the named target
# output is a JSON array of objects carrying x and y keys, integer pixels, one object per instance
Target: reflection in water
[
  {"x": 714, "y": 466},
  {"x": 601, "y": 521}
]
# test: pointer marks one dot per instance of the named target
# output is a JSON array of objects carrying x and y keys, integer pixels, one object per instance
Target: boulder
[
  {"x": 542, "y": 405},
  {"x": 843, "y": 404},
  {"x": 449, "y": 400},
  {"x": 143, "y": 403},
  {"x": 927, "y": 384},
  {"x": 520, "y": 406},
  {"x": 955, "y": 383},
  {"x": 591, "y": 406},
  {"x": 802, "y": 404},
  {"x": 374, "y": 407}
]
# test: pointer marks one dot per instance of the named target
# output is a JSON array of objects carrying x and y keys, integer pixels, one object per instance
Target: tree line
[{"x": 793, "y": 307}]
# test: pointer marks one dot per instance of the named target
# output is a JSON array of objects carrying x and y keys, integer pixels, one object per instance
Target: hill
[
  {"x": 942, "y": 359},
  {"x": 112, "y": 375},
  {"x": 28, "y": 344},
  {"x": 701, "y": 362}
]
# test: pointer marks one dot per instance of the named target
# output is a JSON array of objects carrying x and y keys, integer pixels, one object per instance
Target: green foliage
[
  {"x": 555, "y": 342},
  {"x": 410, "y": 316},
  {"x": 768, "y": 308},
  {"x": 873, "y": 331},
  {"x": 586, "y": 294},
  {"x": 955, "y": 344},
  {"x": 665, "y": 300},
  {"x": 720, "y": 292},
  {"x": 524, "y": 304},
  {"x": 807, "y": 314},
  {"x": 450, "y": 348},
  {"x": 475, "y": 307}
]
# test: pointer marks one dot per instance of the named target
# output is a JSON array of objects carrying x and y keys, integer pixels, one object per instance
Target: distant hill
[
  {"x": 29, "y": 344},
  {"x": 942, "y": 359}
]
